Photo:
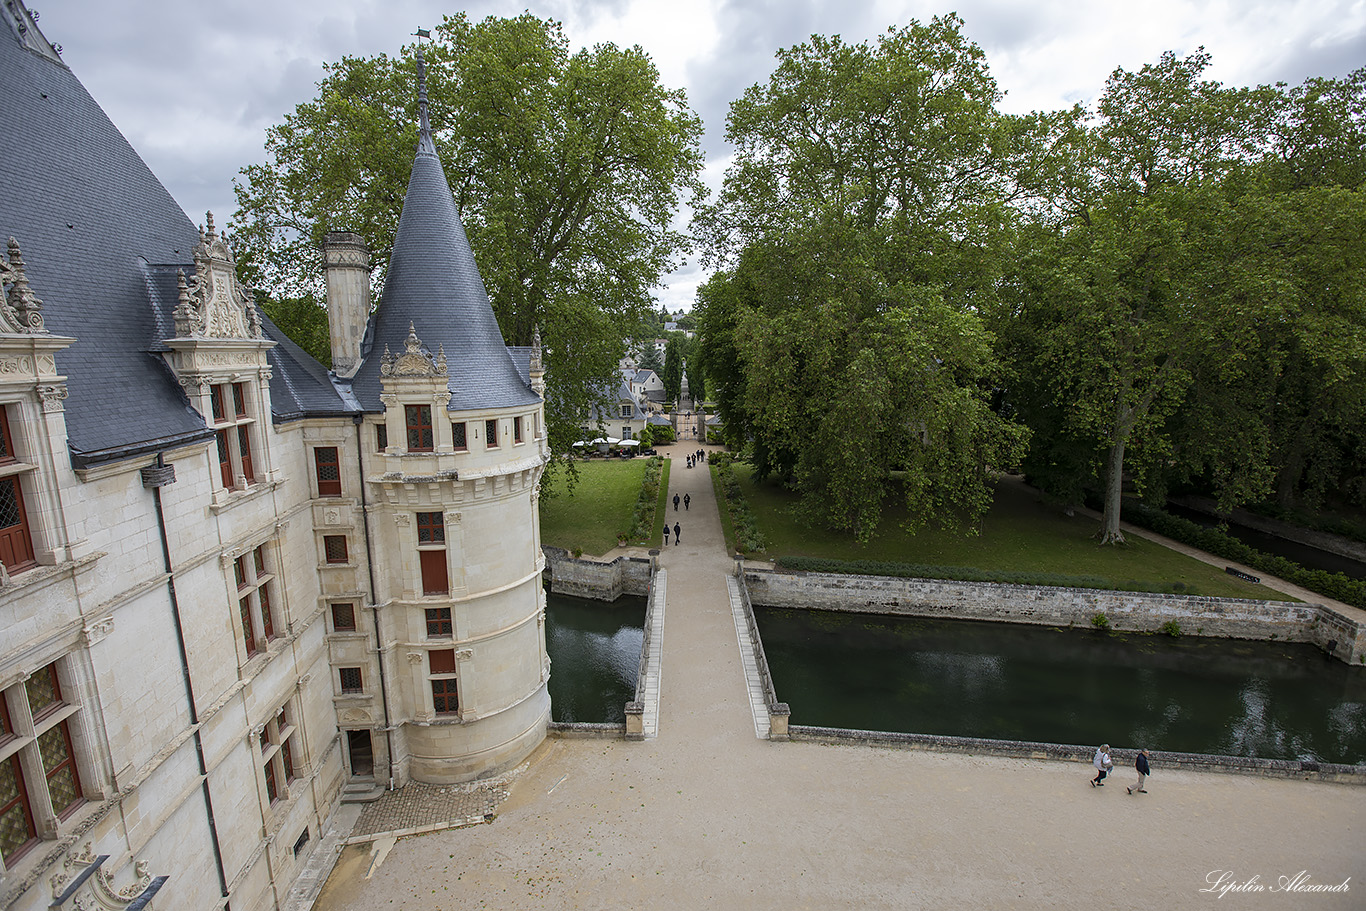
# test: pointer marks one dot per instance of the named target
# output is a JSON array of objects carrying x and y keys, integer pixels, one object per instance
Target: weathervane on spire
[{"x": 424, "y": 126}]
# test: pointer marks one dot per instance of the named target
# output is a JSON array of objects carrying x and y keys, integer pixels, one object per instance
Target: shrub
[
  {"x": 1100, "y": 621},
  {"x": 745, "y": 526},
  {"x": 647, "y": 501},
  {"x": 1171, "y": 628}
]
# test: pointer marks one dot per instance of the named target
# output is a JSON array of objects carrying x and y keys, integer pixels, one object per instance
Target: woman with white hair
[{"x": 1103, "y": 764}]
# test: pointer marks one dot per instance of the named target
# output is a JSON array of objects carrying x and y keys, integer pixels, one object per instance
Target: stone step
[{"x": 363, "y": 791}]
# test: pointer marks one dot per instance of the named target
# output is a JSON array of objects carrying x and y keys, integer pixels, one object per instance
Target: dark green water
[
  {"x": 594, "y": 651},
  {"x": 1011, "y": 682}
]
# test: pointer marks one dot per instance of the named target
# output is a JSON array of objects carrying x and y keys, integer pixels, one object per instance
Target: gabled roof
[
  {"x": 433, "y": 284},
  {"x": 103, "y": 240}
]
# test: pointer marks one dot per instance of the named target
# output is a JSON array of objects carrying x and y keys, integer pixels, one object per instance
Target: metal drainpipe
[
  {"x": 155, "y": 477},
  {"x": 374, "y": 611}
]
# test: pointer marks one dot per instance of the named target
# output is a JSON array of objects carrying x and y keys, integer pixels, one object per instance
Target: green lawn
[
  {"x": 1019, "y": 534},
  {"x": 599, "y": 508}
]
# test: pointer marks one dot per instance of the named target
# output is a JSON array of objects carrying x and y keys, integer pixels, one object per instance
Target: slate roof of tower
[
  {"x": 433, "y": 283},
  {"x": 102, "y": 240}
]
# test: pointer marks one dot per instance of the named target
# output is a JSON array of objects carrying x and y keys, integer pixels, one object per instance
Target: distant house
[
  {"x": 647, "y": 385},
  {"x": 625, "y": 413}
]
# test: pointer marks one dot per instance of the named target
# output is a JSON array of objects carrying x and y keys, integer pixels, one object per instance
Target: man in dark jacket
[
  {"x": 675, "y": 502},
  {"x": 1141, "y": 764}
]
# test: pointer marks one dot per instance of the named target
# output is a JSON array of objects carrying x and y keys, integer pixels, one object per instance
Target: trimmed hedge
[
  {"x": 1221, "y": 544},
  {"x": 963, "y": 574},
  {"x": 643, "y": 518},
  {"x": 748, "y": 538}
]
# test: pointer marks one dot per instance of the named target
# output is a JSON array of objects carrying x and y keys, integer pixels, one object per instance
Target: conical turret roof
[{"x": 433, "y": 284}]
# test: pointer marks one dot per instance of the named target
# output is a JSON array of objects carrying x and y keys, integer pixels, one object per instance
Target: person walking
[
  {"x": 1141, "y": 764},
  {"x": 1103, "y": 763},
  {"x": 677, "y": 534},
  {"x": 666, "y": 534},
  {"x": 675, "y": 502},
  {"x": 687, "y": 498}
]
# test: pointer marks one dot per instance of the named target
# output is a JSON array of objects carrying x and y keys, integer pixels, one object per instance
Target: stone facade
[
  {"x": 1140, "y": 611},
  {"x": 179, "y": 610},
  {"x": 229, "y": 582}
]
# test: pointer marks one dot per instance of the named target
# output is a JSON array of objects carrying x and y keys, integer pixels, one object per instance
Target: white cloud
[{"x": 194, "y": 85}]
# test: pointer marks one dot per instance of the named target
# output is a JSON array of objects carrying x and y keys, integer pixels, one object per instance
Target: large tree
[
  {"x": 567, "y": 169},
  {"x": 1155, "y": 292},
  {"x": 862, "y": 225},
  {"x": 672, "y": 375}
]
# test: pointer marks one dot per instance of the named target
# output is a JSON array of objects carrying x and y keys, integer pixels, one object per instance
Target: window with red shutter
[
  {"x": 435, "y": 580},
  {"x": 327, "y": 465}
]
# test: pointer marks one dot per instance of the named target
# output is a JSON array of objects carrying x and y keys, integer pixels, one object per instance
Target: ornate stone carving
[
  {"x": 52, "y": 394},
  {"x": 103, "y": 893},
  {"x": 21, "y": 310},
  {"x": 212, "y": 303},
  {"x": 414, "y": 657},
  {"x": 11, "y": 365},
  {"x": 464, "y": 654},
  {"x": 331, "y": 516},
  {"x": 415, "y": 360},
  {"x": 355, "y": 716},
  {"x": 96, "y": 631},
  {"x": 402, "y": 519}
]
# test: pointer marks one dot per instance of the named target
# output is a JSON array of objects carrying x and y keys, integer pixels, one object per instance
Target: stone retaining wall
[
  {"x": 1335, "y": 633},
  {"x": 1124, "y": 759},
  {"x": 588, "y": 578}
]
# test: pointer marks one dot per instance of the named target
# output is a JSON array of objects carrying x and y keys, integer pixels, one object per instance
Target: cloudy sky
[{"x": 194, "y": 84}]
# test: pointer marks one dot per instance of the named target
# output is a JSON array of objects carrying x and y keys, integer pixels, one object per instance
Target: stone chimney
[{"x": 346, "y": 261}]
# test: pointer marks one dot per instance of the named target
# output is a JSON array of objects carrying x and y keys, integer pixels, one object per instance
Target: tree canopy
[
  {"x": 567, "y": 170},
  {"x": 1158, "y": 294},
  {"x": 861, "y": 223}
]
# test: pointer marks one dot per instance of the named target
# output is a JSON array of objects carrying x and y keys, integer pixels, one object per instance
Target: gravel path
[{"x": 708, "y": 816}]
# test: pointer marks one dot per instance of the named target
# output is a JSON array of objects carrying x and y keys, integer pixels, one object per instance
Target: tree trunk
[
  {"x": 1114, "y": 488},
  {"x": 1288, "y": 478}
]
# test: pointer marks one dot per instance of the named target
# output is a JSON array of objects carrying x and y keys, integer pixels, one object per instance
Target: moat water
[
  {"x": 594, "y": 649},
  {"x": 1015, "y": 682},
  {"x": 1303, "y": 554}
]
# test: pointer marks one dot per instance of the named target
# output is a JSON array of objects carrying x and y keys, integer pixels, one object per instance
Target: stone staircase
[{"x": 362, "y": 790}]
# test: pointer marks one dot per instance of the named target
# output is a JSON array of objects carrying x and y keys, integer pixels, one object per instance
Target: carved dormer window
[
  {"x": 418, "y": 419},
  {"x": 212, "y": 301},
  {"x": 233, "y": 428}
]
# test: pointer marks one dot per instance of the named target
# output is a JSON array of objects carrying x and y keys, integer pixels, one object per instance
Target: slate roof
[
  {"x": 609, "y": 407},
  {"x": 102, "y": 240},
  {"x": 433, "y": 283},
  {"x": 88, "y": 214}
]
